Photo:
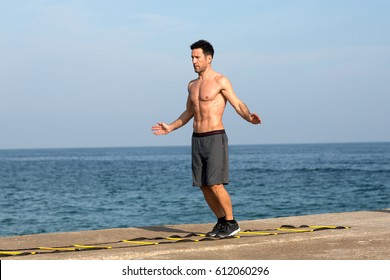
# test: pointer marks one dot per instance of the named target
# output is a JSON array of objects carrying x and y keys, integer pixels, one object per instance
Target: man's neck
[{"x": 207, "y": 73}]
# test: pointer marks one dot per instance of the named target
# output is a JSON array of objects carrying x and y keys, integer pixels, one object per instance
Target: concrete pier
[{"x": 361, "y": 235}]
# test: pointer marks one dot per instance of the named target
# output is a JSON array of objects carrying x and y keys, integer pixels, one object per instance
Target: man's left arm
[{"x": 238, "y": 105}]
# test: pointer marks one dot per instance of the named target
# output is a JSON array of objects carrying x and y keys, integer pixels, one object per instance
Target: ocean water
[{"x": 60, "y": 190}]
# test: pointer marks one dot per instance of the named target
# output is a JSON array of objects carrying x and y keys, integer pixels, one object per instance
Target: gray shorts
[{"x": 210, "y": 160}]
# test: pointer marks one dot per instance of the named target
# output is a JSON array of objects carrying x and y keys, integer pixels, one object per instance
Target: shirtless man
[{"x": 206, "y": 102}]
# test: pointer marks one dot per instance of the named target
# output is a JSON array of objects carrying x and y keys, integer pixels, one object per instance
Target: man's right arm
[
  {"x": 163, "y": 128},
  {"x": 182, "y": 119}
]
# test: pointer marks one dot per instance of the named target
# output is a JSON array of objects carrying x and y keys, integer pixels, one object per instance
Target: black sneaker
[
  {"x": 217, "y": 227},
  {"x": 228, "y": 229}
]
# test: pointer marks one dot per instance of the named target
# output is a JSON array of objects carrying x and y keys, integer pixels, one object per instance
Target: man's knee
[{"x": 217, "y": 188}]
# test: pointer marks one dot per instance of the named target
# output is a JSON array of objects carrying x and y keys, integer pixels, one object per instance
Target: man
[{"x": 206, "y": 102}]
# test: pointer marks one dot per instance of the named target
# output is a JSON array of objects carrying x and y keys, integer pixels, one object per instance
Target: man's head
[
  {"x": 202, "y": 55},
  {"x": 206, "y": 47}
]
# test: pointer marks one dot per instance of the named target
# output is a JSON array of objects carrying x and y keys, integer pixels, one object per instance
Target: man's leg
[{"x": 219, "y": 201}]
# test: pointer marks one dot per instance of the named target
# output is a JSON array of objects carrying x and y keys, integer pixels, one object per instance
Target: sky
[{"x": 100, "y": 73}]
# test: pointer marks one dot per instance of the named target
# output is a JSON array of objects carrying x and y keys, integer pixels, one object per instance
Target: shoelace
[
  {"x": 217, "y": 226},
  {"x": 224, "y": 226}
]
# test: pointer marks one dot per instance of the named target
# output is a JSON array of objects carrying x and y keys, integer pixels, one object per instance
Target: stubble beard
[{"x": 198, "y": 70}]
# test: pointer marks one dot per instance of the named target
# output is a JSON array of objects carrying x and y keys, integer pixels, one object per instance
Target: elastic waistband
[{"x": 203, "y": 134}]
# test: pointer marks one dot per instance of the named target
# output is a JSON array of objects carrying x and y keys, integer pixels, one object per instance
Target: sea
[{"x": 64, "y": 190}]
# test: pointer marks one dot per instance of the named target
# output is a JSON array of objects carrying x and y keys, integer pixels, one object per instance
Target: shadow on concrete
[
  {"x": 381, "y": 211},
  {"x": 164, "y": 229}
]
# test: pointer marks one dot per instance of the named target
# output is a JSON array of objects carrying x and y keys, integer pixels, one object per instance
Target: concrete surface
[{"x": 368, "y": 238}]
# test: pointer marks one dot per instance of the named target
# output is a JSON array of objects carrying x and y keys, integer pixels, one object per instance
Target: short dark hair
[{"x": 205, "y": 46}]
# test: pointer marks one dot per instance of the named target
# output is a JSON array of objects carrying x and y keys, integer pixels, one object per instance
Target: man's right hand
[{"x": 161, "y": 129}]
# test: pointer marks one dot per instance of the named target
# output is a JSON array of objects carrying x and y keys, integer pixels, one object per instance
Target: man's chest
[{"x": 205, "y": 91}]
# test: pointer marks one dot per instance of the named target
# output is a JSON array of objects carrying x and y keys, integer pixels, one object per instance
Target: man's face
[{"x": 199, "y": 60}]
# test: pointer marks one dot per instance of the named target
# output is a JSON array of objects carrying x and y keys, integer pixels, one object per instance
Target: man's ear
[{"x": 209, "y": 59}]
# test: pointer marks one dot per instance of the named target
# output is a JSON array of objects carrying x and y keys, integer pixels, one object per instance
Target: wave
[{"x": 309, "y": 170}]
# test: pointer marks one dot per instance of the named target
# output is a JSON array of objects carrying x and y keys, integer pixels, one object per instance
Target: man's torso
[{"x": 208, "y": 103}]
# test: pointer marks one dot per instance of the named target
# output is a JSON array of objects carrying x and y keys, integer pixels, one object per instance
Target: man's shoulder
[
  {"x": 221, "y": 79},
  {"x": 192, "y": 82}
]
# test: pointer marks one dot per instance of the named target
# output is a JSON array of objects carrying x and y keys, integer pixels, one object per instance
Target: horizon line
[{"x": 167, "y": 146}]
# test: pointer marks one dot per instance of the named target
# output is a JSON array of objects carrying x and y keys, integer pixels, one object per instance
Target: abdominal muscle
[{"x": 208, "y": 115}]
